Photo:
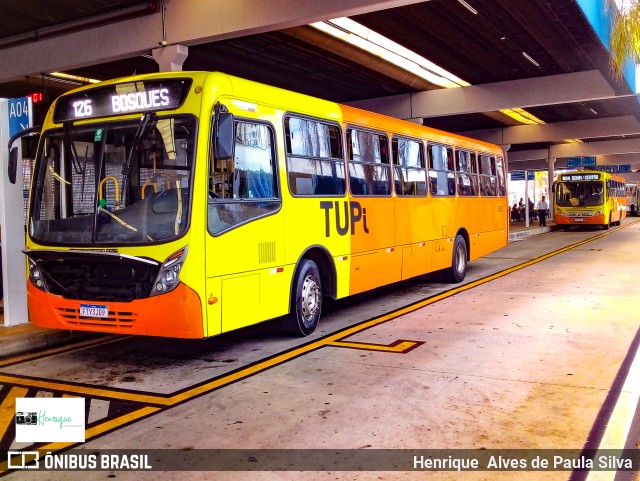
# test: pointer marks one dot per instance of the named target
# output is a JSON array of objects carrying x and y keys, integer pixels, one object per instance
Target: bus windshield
[
  {"x": 114, "y": 182},
  {"x": 579, "y": 194}
]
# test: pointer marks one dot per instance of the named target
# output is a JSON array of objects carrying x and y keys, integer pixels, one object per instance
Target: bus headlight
[
  {"x": 169, "y": 276},
  {"x": 36, "y": 276},
  {"x": 598, "y": 212}
]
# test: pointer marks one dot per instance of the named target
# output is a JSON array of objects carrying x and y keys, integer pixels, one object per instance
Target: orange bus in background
[
  {"x": 589, "y": 197},
  {"x": 188, "y": 204}
]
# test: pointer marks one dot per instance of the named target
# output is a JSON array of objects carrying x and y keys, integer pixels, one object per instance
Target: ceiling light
[
  {"x": 594, "y": 112},
  {"x": 376, "y": 44},
  {"x": 468, "y": 7},
  {"x": 530, "y": 59},
  {"x": 360, "y": 36},
  {"x": 522, "y": 116},
  {"x": 76, "y": 78}
]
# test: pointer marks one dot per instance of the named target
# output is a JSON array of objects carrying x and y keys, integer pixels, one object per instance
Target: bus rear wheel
[
  {"x": 306, "y": 301},
  {"x": 458, "y": 269}
]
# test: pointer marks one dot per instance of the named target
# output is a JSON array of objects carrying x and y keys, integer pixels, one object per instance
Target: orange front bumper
[
  {"x": 586, "y": 220},
  {"x": 175, "y": 314}
]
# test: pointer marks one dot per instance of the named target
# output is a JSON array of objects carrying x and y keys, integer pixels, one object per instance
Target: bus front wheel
[
  {"x": 458, "y": 268},
  {"x": 306, "y": 301}
]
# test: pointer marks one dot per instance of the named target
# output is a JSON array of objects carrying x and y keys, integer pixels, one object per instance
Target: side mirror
[
  {"x": 13, "y": 164},
  {"x": 225, "y": 136},
  {"x": 553, "y": 187}
]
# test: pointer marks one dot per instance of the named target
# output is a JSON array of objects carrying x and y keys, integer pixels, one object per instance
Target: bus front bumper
[{"x": 175, "y": 314}]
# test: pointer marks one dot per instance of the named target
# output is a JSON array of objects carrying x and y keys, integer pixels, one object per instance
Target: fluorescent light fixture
[
  {"x": 573, "y": 141},
  {"x": 468, "y": 7},
  {"x": 530, "y": 59},
  {"x": 76, "y": 78},
  {"x": 523, "y": 116},
  {"x": 356, "y": 34},
  {"x": 594, "y": 112},
  {"x": 360, "y": 36}
]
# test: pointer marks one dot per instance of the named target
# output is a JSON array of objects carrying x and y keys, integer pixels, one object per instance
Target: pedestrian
[{"x": 543, "y": 207}]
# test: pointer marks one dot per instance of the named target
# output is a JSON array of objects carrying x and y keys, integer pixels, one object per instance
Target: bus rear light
[{"x": 169, "y": 276}]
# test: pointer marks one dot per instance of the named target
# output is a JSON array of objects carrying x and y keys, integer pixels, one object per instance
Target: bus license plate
[
  {"x": 94, "y": 310},
  {"x": 578, "y": 219}
]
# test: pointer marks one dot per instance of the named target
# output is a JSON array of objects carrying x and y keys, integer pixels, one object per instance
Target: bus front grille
[{"x": 103, "y": 280}]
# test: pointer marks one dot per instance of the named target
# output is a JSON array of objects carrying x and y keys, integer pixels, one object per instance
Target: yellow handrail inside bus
[
  {"x": 149, "y": 181},
  {"x": 115, "y": 181}
]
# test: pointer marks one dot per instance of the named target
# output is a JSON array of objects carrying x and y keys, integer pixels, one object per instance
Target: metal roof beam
[
  {"x": 604, "y": 148},
  {"x": 524, "y": 93},
  {"x": 188, "y": 22},
  {"x": 559, "y": 131}
]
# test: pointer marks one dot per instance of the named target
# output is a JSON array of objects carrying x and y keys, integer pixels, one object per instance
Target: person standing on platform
[{"x": 543, "y": 207}]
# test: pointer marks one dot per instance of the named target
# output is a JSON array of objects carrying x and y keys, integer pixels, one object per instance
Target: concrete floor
[{"x": 518, "y": 361}]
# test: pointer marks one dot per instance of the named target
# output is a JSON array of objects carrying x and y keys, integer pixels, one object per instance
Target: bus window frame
[
  {"x": 472, "y": 174},
  {"x": 446, "y": 171},
  {"x": 423, "y": 167},
  {"x": 223, "y": 200},
  {"x": 494, "y": 175},
  {"x": 348, "y": 154},
  {"x": 287, "y": 155}
]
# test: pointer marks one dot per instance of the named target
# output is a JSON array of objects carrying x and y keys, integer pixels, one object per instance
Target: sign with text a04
[{"x": 19, "y": 112}]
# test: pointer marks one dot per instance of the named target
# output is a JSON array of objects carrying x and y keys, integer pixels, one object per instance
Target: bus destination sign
[
  {"x": 579, "y": 177},
  {"x": 122, "y": 98}
]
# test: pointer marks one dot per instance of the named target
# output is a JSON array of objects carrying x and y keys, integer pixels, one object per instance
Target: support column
[
  {"x": 550, "y": 169},
  {"x": 171, "y": 57},
  {"x": 14, "y": 279}
]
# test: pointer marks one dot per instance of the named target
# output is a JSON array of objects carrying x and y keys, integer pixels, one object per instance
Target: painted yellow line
[
  {"x": 8, "y": 408},
  {"x": 399, "y": 347},
  {"x": 47, "y": 385},
  {"x": 62, "y": 349}
]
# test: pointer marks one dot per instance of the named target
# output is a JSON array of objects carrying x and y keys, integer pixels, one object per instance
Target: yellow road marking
[
  {"x": 398, "y": 346},
  {"x": 86, "y": 390},
  {"x": 57, "y": 350},
  {"x": 8, "y": 408}
]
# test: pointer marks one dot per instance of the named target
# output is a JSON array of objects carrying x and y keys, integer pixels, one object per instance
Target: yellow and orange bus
[
  {"x": 589, "y": 197},
  {"x": 189, "y": 204}
]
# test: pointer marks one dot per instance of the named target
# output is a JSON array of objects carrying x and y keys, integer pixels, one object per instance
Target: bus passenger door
[{"x": 246, "y": 279}]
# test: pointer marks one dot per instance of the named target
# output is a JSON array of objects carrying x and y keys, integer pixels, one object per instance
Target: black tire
[
  {"x": 306, "y": 301},
  {"x": 458, "y": 269},
  {"x": 605, "y": 226},
  {"x": 566, "y": 228}
]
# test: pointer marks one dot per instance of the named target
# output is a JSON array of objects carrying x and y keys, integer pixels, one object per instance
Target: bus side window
[
  {"x": 368, "y": 155},
  {"x": 409, "y": 167},
  {"x": 245, "y": 188},
  {"x": 488, "y": 178},
  {"x": 441, "y": 170},
  {"x": 314, "y": 157},
  {"x": 467, "y": 173}
]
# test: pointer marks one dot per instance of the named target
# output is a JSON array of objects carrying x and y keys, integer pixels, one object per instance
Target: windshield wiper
[
  {"x": 72, "y": 147},
  {"x": 147, "y": 117}
]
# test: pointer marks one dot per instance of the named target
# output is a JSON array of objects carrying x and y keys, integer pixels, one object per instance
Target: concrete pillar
[
  {"x": 526, "y": 198},
  {"x": 14, "y": 279},
  {"x": 171, "y": 57},
  {"x": 550, "y": 169}
]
